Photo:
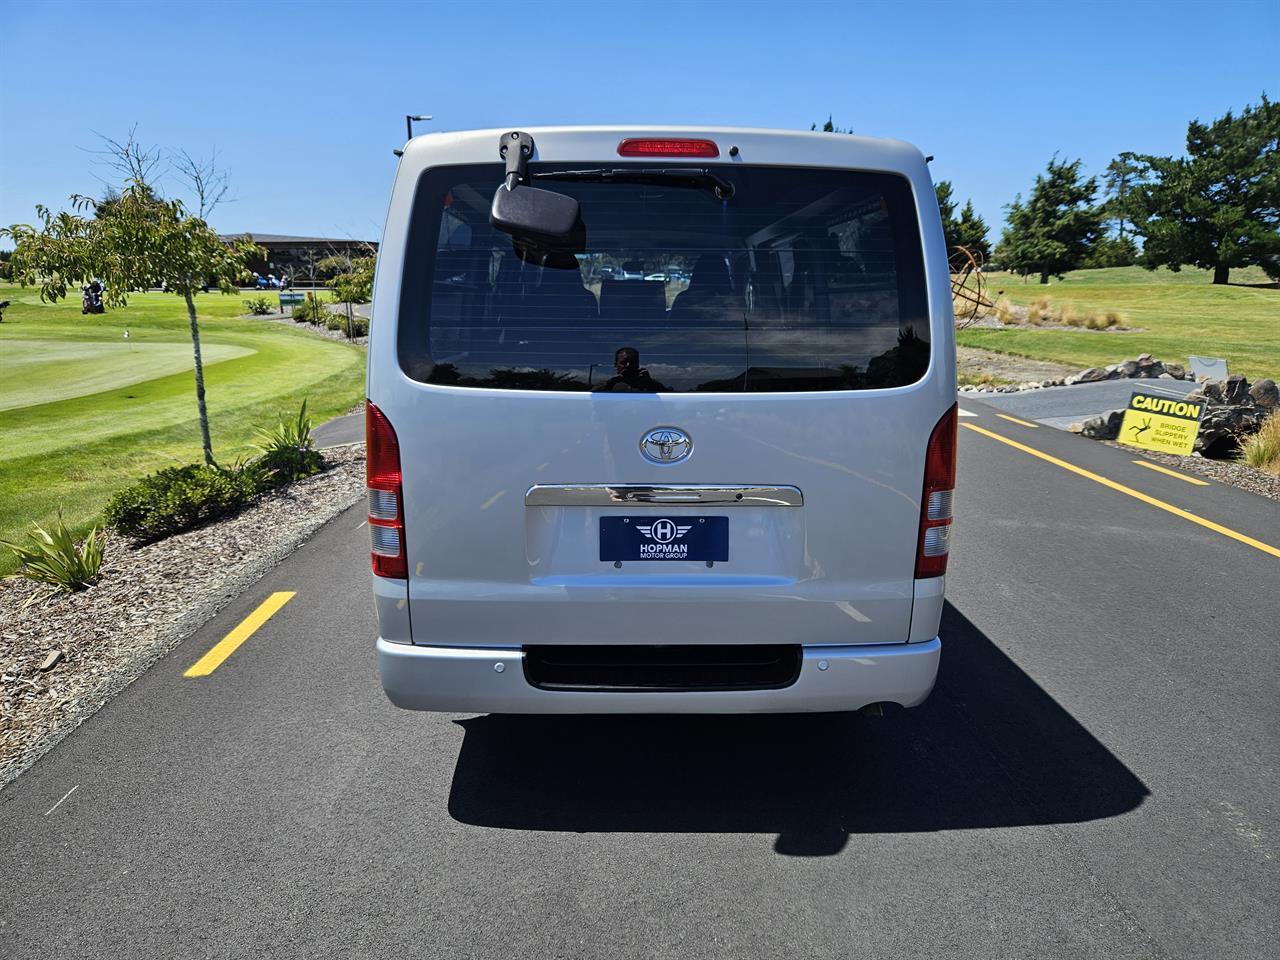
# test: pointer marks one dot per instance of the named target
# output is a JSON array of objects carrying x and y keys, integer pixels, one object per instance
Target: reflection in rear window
[{"x": 804, "y": 280}]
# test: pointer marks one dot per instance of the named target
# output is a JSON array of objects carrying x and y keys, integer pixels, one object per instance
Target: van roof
[{"x": 755, "y": 145}]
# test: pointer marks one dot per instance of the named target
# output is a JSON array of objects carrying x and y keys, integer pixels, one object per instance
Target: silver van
[{"x": 660, "y": 420}]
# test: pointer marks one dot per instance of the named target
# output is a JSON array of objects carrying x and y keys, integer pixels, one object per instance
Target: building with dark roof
[{"x": 297, "y": 257}]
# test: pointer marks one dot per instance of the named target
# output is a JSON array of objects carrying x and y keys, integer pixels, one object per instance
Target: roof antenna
[{"x": 408, "y": 124}]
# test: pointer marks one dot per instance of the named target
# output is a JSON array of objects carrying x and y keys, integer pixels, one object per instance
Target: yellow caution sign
[{"x": 1166, "y": 424}]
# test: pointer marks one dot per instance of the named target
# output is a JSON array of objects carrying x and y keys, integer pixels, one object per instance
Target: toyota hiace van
[{"x": 660, "y": 420}]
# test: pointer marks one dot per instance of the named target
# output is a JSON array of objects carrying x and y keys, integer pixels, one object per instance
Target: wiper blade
[{"x": 693, "y": 178}]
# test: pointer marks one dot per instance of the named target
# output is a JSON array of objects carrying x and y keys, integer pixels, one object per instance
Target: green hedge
[{"x": 178, "y": 499}]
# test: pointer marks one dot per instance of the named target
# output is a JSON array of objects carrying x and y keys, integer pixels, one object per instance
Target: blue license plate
[{"x": 657, "y": 537}]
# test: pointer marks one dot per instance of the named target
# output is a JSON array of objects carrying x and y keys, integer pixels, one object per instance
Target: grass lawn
[
  {"x": 1179, "y": 313},
  {"x": 84, "y": 412}
]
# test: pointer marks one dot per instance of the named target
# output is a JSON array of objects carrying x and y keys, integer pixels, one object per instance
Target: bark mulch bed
[{"x": 147, "y": 600}]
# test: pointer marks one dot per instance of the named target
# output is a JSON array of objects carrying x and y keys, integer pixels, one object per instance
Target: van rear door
[{"x": 707, "y": 425}]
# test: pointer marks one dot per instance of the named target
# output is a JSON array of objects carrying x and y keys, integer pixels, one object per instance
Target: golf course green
[{"x": 85, "y": 411}]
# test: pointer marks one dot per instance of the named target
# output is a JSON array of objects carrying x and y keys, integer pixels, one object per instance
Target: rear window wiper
[{"x": 696, "y": 179}]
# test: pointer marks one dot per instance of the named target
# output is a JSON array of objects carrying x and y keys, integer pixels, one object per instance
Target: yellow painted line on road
[
  {"x": 1025, "y": 423},
  {"x": 1172, "y": 473},
  {"x": 246, "y": 628},
  {"x": 1129, "y": 491}
]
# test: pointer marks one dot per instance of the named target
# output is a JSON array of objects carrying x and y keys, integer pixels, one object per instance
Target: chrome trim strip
[{"x": 661, "y": 494}]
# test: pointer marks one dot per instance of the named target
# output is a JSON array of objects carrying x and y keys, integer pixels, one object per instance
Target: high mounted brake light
[
  {"x": 667, "y": 147},
  {"x": 934, "y": 542},
  {"x": 386, "y": 498}
]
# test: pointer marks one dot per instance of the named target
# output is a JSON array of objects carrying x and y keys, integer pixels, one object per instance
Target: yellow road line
[
  {"x": 1172, "y": 473},
  {"x": 246, "y": 628},
  {"x": 1025, "y": 423},
  {"x": 1136, "y": 494}
]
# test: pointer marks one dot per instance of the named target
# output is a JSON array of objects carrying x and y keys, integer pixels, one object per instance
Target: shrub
[
  {"x": 258, "y": 306},
  {"x": 338, "y": 321},
  {"x": 1006, "y": 312},
  {"x": 1262, "y": 450},
  {"x": 1114, "y": 318},
  {"x": 177, "y": 499},
  {"x": 1039, "y": 311},
  {"x": 288, "y": 453},
  {"x": 310, "y": 310},
  {"x": 54, "y": 558},
  {"x": 1066, "y": 315}
]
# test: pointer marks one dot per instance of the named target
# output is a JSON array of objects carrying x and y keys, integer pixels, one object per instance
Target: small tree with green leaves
[
  {"x": 1053, "y": 231},
  {"x": 134, "y": 241},
  {"x": 354, "y": 284},
  {"x": 1219, "y": 206}
]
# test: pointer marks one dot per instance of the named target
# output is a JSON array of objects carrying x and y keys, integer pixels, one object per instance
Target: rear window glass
[{"x": 804, "y": 279}]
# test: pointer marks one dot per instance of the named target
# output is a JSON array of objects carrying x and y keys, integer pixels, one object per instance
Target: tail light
[
  {"x": 667, "y": 147},
  {"x": 935, "y": 504},
  {"x": 386, "y": 500}
]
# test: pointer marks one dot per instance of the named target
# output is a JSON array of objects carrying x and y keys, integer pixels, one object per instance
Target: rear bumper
[{"x": 491, "y": 680}]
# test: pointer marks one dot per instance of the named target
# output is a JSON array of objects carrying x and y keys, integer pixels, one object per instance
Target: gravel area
[
  {"x": 148, "y": 599},
  {"x": 976, "y": 362},
  {"x": 1224, "y": 471},
  {"x": 991, "y": 323}
]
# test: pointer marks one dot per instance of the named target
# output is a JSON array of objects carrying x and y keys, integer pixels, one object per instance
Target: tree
[
  {"x": 1118, "y": 181},
  {"x": 1219, "y": 206},
  {"x": 135, "y": 241},
  {"x": 207, "y": 181},
  {"x": 1053, "y": 231},
  {"x": 968, "y": 231},
  {"x": 971, "y": 233},
  {"x": 354, "y": 284},
  {"x": 947, "y": 210},
  {"x": 830, "y": 127}
]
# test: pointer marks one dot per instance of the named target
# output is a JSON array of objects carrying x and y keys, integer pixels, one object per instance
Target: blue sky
[{"x": 304, "y": 101}]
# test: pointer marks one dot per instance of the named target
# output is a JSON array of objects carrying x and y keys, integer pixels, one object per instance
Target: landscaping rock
[
  {"x": 1144, "y": 366},
  {"x": 1235, "y": 389},
  {"x": 1210, "y": 390},
  {"x": 1105, "y": 426},
  {"x": 1222, "y": 427},
  {"x": 1264, "y": 393},
  {"x": 1149, "y": 366}
]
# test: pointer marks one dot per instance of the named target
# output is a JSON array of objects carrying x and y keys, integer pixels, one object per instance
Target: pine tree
[
  {"x": 1119, "y": 179},
  {"x": 947, "y": 210},
  {"x": 971, "y": 233},
  {"x": 1054, "y": 230},
  {"x": 1219, "y": 206}
]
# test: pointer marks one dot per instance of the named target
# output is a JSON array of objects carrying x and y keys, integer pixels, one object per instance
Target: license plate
[{"x": 664, "y": 538}]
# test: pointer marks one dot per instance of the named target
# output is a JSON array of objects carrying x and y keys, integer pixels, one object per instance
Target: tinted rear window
[{"x": 804, "y": 279}]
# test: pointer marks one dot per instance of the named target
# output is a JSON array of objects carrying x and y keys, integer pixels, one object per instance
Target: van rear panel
[{"x": 706, "y": 426}]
